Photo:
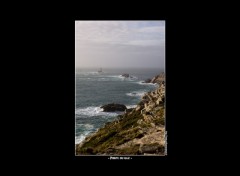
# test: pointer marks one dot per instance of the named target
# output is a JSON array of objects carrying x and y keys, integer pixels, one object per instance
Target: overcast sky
[{"x": 135, "y": 44}]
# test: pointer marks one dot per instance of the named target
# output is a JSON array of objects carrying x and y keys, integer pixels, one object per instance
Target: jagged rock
[
  {"x": 147, "y": 81},
  {"x": 150, "y": 148},
  {"x": 147, "y": 118},
  {"x": 143, "y": 111},
  {"x": 139, "y": 121},
  {"x": 149, "y": 106},
  {"x": 145, "y": 99},
  {"x": 126, "y": 75},
  {"x": 139, "y": 107},
  {"x": 113, "y": 107},
  {"x": 140, "y": 135},
  {"x": 153, "y": 80},
  {"x": 159, "y": 100},
  {"x": 152, "y": 124},
  {"x": 129, "y": 110},
  {"x": 158, "y": 79}
]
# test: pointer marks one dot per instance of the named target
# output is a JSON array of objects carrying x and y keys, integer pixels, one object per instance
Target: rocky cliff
[
  {"x": 139, "y": 131},
  {"x": 156, "y": 79}
]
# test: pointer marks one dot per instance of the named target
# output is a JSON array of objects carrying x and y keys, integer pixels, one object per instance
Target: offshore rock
[{"x": 113, "y": 107}]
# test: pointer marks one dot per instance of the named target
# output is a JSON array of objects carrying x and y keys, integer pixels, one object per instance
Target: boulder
[{"x": 113, "y": 107}]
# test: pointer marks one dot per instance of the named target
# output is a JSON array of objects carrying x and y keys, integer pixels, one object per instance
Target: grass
[
  {"x": 113, "y": 135},
  {"x": 161, "y": 117}
]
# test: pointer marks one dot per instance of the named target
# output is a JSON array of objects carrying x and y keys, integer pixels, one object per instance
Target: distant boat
[{"x": 100, "y": 70}]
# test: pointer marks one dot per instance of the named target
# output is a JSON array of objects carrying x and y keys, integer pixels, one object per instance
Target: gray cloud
[{"x": 120, "y": 43}]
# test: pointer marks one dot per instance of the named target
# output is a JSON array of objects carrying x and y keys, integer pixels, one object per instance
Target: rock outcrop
[
  {"x": 126, "y": 75},
  {"x": 113, "y": 107},
  {"x": 147, "y": 81},
  {"x": 139, "y": 131},
  {"x": 159, "y": 79}
]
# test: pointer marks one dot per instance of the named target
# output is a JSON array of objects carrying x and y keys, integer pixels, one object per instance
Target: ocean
[{"x": 95, "y": 89}]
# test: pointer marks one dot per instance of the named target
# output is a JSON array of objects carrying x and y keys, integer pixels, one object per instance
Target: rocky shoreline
[
  {"x": 139, "y": 131},
  {"x": 156, "y": 79}
]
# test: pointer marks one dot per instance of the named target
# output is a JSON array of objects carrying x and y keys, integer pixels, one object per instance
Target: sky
[{"x": 120, "y": 44}]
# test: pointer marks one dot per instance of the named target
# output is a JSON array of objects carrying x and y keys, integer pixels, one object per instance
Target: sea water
[{"x": 94, "y": 89}]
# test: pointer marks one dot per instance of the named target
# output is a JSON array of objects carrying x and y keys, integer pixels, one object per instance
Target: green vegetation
[
  {"x": 109, "y": 139},
  {"x": 113, "y": 135},
  {"x": 161, "y": 117}
]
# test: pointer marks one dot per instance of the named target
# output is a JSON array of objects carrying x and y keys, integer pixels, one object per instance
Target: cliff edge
[{"x": 139, "y": 131}]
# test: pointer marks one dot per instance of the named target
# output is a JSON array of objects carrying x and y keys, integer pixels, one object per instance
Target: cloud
[
  {"x": 153, "y": 29},
  {"x": 97, "y": 42},
  {"x": 117, "y": 32},
  {"x": 146, "y": 42}
]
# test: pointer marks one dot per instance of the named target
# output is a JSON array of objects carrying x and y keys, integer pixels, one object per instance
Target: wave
[
  {"x": 136, "y": 93},
  {"x": 116, "y": 78},
  {"x": 87, "y": 73},
  {"x": 85, "y": 126},
  {"x": 95, "y": 111},
  {"x": 81, "y": 137},
  {"x": 95, "y": 76},
  {"x": 131, "y": 78},
  {"x": 131, "y": 106},
  {"x": 148, "y": 84},
  {"x": 83, "y": 78},
  {"x": 109, "y": 78},
  {"x": 113, "y": 76}
]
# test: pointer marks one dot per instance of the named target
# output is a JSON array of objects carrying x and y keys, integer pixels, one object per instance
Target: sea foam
[
  {"x": 136, "y": 93},
  {"x": 81, "y": 137},
  {"x": 95, "y": 111}
]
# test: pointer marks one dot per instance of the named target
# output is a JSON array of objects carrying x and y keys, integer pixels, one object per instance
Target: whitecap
[
  {"x": 85, "y": 126},
  {"x": 131, "y": 106},
  {"x": 95, "y": 111},
  {"x": 81, "y": 137},
  {"x": 147, "y": 84},
  {"x": 87, "y": 73},
  {"x": 88, "y": 126},
  {"x": 130, "y": 78},
  {"x": 136, "y": 93}
]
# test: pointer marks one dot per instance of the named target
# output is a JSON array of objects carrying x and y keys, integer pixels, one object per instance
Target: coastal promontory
[{"x": 139, "y": 131}]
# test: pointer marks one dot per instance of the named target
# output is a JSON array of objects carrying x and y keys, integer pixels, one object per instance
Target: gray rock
[
  {"x": 126, "y": 75},
  {"x": 129, "y": 110},
  {"x": 147, "y": 81},
  {"x": 150, "y": 148},
  {"x": 113, "y": 107}
]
